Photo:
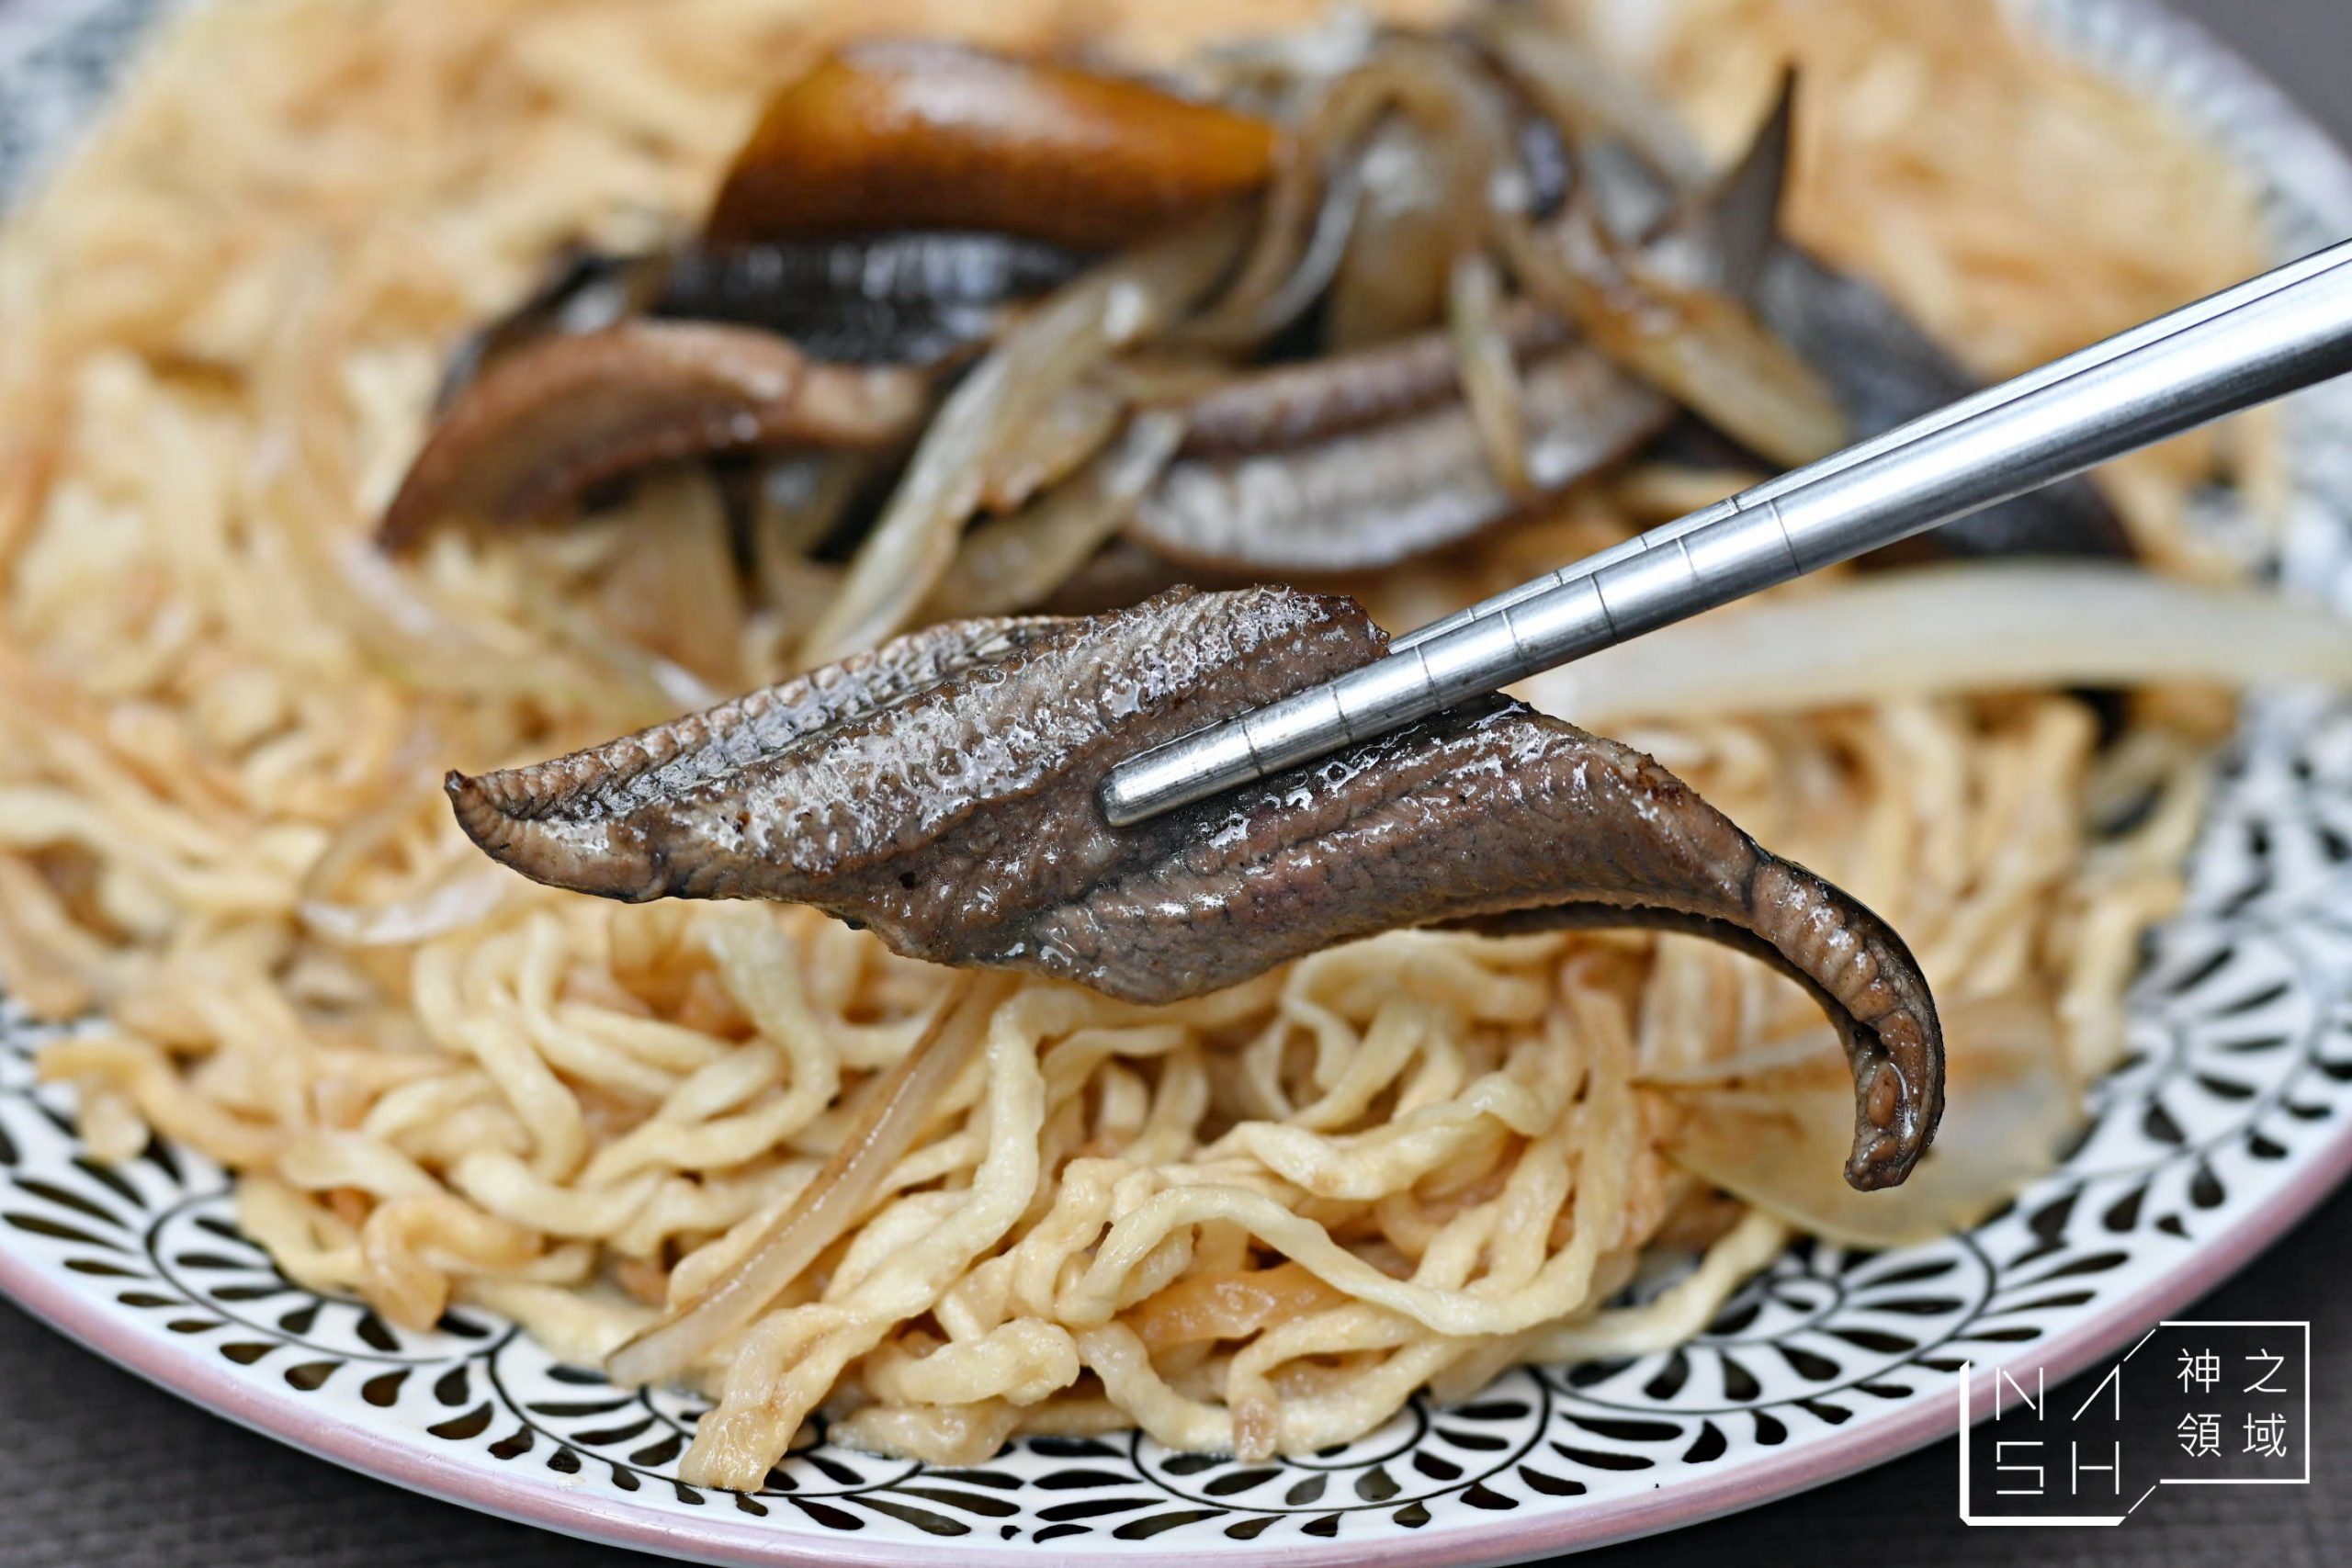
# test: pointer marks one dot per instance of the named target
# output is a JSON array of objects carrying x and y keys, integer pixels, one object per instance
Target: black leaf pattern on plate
[
  {"x": 834, "y": 1518},
  {"x": 310, "y": 1376},
  {"x": 1601, "y": 1458},
  {"x": 472, "y": 1424},
  {"x": 2123, "y": 1214},
  {"x": 969, "y": 1502},
  {"x": 1160, "y": 1524},
  {"x": 922, "y": 1520}
]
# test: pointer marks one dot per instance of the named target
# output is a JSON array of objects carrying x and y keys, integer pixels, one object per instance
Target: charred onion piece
[
  {"x": 548, "y": 421},
  {"x": 942, "y": 790},
  {"x": 906, "y": 135}
]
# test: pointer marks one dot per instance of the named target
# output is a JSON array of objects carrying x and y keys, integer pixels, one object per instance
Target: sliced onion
[
  {"x": 643, "y": 685},
  {"x": 1776, "y": 1134},
  {"x": 1119, "y": 303},
  {"x": 1489, "y": 371},
  {"x": 1054, "y": 441},
  {"x": 893, "y": 1112},
  {"x": 671, "y": 585},
  {"x": 1306, "y": 217},
  {"x": 1285, "y": 269},
  {"x": 1015, "y": 562},
  {"x": 1229, "y": 1305},
  {"x": 1268, "y": 295},
  {"x": 1962, "y": 627},
  {"x": 1706, "y": 349},
  {"x": 1428, "y": 183},
  {"x": 1409, "y": 229},
  {"x": 1585, "y": 96},
  {"x": 796, "y": 506}
]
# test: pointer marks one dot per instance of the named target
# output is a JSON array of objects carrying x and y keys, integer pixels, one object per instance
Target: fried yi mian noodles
[{"x": 247, "y": 628}]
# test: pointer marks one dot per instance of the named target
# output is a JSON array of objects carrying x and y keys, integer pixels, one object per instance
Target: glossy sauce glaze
[
  {"x": 901, "y": 134},
  {"x": 941, "y": 790}
]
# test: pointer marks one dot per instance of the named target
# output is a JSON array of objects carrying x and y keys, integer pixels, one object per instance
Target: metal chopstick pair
[{"x": 2273, "y": 335}]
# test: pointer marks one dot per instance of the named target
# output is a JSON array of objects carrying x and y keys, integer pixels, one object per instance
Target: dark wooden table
[{"x": 97, "y": 1468}]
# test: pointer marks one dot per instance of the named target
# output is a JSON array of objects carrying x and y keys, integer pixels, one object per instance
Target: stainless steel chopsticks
[{"x": 2260, "y": 340}]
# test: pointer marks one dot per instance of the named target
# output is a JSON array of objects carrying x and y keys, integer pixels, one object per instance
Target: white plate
[{"x": 2233, "y": 1117}]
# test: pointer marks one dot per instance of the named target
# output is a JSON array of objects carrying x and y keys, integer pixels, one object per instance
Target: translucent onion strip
[
  {"x": 1489, "y": 373},
  {"x": 1588, "y": 97},
  {"x": 796, "y": 506},
  {"x": 1051, "y": 446},
  {"x": 1305, "y": 241},
  {"x": 1306, "y": 217},
  {"x": 1117, "y": 304},
  {"x": 1015, "y": 562},
  {"x": 895, "y": 1110},
  {"x": 1984, "y": 625},
  {"x": 1704, "y": 349},
  {"x": 1409, "y": 231},
  {"x": 1769, "y": 1132}
]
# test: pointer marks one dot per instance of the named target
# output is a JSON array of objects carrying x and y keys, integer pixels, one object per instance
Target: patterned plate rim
[
  {"x": 2134, "y": 39},
  {"x": 1575, "y": 1526}
]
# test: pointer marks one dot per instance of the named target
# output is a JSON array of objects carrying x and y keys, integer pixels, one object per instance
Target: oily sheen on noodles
[{"x": 1257, "y": 1221}]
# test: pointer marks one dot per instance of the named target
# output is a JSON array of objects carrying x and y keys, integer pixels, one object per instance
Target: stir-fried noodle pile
[{"x": 1256, "y": 1222}]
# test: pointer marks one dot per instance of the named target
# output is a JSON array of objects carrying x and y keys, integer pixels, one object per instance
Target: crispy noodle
[{"x": 1257, "y": 1222}]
